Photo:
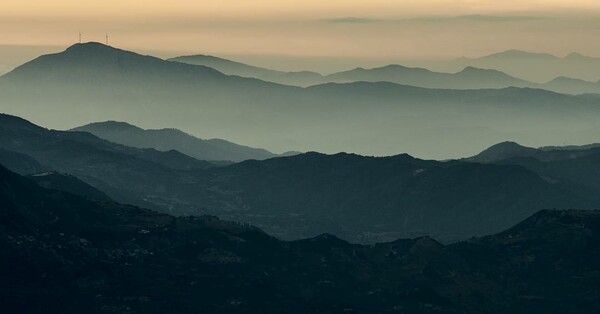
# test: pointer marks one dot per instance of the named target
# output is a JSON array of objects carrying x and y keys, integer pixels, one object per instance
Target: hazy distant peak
[
  {"x": 503, "y": 150},
  {"x": 565, "y": 79},
  {"x": 394, "y": 66},
  {"x": 575, "y": 55},
  {"x": 519, "y": 53},
  {"x": 203, "y": 57},
  {"x": 472, "y": 69},
  {"x": 398, "y": 67},
  {"x": 111, "y": 125},
  {"x": 507, "y": 144}
]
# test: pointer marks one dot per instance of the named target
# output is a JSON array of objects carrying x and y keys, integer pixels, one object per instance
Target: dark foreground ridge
[{"x": 61, "y": 253}]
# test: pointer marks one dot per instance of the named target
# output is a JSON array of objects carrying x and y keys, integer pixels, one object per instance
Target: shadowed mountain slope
[
  {"x": 67, "y": 183},
  {"x": 358, "y": 198},
  {"x": 111, "y": 258},
  {"x": 575, "y": 165},
  {"x": 112, "y": 168}
]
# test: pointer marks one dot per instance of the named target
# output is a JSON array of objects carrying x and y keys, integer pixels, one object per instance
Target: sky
[{"x": 335, "y": 32}]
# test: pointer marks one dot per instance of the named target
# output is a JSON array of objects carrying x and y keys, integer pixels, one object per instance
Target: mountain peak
[
  {"x": 93, "y": 62},
  {"x": 504, "y": 150},
  {"x": 474, "y": 70},
  {"x": 88, "y": 45},
  {"x": 94, "y": 49},
  {"x": 575, "y": 56},
  {"x": 109, "y": 125},
  {"x": 515, "y": 53}
]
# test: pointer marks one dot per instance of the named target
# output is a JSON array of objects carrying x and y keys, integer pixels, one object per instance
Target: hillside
[
  {"x": 173, "y": 139},
  {"x": 358, "y": 198},
  {"x": 303, "y": 78},
  {"x": 57, "y": 244}
]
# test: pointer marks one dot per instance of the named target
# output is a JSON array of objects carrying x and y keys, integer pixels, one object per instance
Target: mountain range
[
  {"x": 468, "y": 77},
  {"x": 577, "y": 165},
  {"x": 229, "y": 67},
  {"x": 94, "y": 82},
  {"x": 173, "y": 139},
  {"x": 117, "y": 170},
  {"x": 537, "y": 67},
  {"x": 358, "y": 198},
  {"x": 64, "y": 253}
]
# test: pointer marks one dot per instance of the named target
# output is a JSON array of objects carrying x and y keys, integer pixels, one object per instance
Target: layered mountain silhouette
[
  {"x": 96, "y": 82},
  {"x": 537, "y": 67},
  {"x": 173, "y": 139},
  {"x": 229, "y": 67},
  {"x": 469, "y": 77},
  {"x": 107, "y": 257},
  {"x": 510, "y": 150},
  {"x": 366, "y": 199},
  {"x": 575, "y": 164},
  {"x": 117, "y": 170}
]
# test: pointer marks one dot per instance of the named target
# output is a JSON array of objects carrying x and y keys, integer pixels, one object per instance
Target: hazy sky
[{"x": 350, "y": 29}]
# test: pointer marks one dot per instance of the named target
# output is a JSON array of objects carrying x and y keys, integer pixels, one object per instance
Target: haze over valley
[{"x": 434, "y": 156}]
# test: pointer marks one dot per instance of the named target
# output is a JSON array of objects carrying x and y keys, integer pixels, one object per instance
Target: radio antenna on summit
[
  {"x": 80, "y": 37},
  {"x": 107, "y": 39}
]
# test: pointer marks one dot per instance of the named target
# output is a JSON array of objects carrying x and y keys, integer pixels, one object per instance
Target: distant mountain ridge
[
  {"x": 536, "y": 67},
  {"x": 302, "y": 78},
  {"x": 469, "y": 77},
  {"x": 173, "y": 139},
  {"x": 94, "y": 82}
]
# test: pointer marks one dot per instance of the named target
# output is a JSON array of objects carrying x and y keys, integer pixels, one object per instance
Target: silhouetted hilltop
[
  {"x": 578, "y": 166},
  {"x": 108, "y": 65},
  {"x": 511, "y": 150},
  {"x": 504, "y": 150}
]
